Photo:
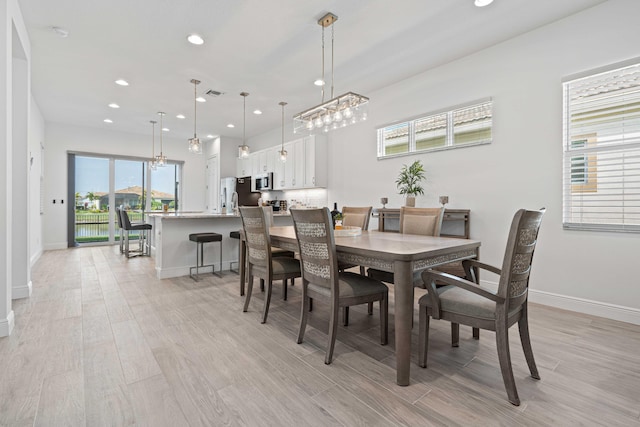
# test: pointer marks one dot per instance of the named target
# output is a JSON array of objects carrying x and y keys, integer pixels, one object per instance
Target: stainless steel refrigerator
[{"x": 236, "y": 192}]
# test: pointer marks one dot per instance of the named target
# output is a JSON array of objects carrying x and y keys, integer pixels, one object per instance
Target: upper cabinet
[{"x": 306, "y": 165}]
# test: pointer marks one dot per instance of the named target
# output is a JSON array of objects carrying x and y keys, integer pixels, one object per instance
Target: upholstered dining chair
[
  {"x": 260, "y": 262},
  {"x": 355, "y": 217},
  {"x": 422, "y": 221},
  {"x": 321, "y": 279},
  {"x": 469, "y": 303}
]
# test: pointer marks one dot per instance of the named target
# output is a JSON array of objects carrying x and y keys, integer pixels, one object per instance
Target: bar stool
[
  {"x": 234, "y": 235},
  {"x": 201, "y": 239},
  {"x": 143, "y": 230}
]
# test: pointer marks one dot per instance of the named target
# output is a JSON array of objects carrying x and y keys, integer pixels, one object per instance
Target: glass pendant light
[
  {"x": 152, "y": 163},
  {"x": 194, "y": 143},
  {"x": 243, "y": 150},
  {"x": 161, "y": 159},
  {"x": 283, "y": 152}
]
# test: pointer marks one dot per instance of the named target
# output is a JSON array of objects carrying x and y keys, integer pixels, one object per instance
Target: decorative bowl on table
[{"x": 347, "y": 230}]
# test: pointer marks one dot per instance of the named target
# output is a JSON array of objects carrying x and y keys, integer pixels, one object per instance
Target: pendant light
[
  {"x": 161, "y": 159},
  {"x": 152, "y": 163},
  {"x": 338, "y": 112},
  {"x": 283, "y": 152},
  {"x": 243, "y": 150},
  {"x": 194, "y": 143}
]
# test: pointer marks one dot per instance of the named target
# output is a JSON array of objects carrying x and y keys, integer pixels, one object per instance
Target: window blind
[{"x": 601, "y": 151}]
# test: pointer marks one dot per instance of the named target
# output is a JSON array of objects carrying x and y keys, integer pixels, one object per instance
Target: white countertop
[{"x": 196, "y": 215}]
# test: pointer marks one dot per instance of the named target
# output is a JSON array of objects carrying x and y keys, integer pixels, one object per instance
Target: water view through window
[{"x": 104, "y": 183}]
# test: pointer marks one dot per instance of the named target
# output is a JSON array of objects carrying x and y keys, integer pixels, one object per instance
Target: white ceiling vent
[{"x": 214, "y": 93}]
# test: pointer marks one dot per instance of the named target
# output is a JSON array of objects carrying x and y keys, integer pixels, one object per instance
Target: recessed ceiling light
[
  {"x": 108, "y": 121},
  {"x": 257, "y": 112},
  {"x": 180, "y": 116},
  {"x": 231, "y": 125},
  {"x": 195, "y": 39},
  {"x": 319, "y": 82},
  {"x": 122, "y": 82},
  {"x": 209, "y": 136},
  {"x": 482, "y": 3},
  {"x": 114, "y": 105},
  {"x": 201, "y": 99},
  {"x": 165, "y": 129}
]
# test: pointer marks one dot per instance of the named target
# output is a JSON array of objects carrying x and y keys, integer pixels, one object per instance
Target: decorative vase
[{"x": 410, "y": 201}]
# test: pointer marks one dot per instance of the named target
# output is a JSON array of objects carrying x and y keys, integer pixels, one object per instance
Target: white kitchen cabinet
[
  {"x": 315, "y": 161},
  {"x": 243, "y": 166},
  {"x": 278, "y": 169},
  {"x": 261, "y": 162}
]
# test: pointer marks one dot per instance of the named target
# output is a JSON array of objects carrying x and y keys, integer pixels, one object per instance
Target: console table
[{"x": 455, "y": 222}]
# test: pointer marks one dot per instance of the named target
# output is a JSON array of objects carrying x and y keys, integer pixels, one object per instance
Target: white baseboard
[
  {"x": 55, "y": 246},
  {"x": 580, "y": 305},
  {"x": 594, "y": 308},
  {"x": 36, "y": 257},
  {"x": 22, "y": 291},
  {"x": 6, "y": 325}
]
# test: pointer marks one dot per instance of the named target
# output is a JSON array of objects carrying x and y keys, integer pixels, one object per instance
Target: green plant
[{"x": 410, "y": 178}]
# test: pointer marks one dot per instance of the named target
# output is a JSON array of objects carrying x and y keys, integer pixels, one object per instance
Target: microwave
[{"x": 262, "y": 182}]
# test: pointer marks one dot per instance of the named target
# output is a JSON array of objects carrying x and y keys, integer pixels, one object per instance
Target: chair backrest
[
  {"x": 119, "y": 216},
  {"x": 356, "y": 217},
  {"x": 423, "y": 221},
  {"x": 314, "y": 231},
  {"x": 124, "y": 216},
  {"x": 268, "y": 215},
  {"x": 516, "y": 267},
  {"x": 256, "y": 234}
]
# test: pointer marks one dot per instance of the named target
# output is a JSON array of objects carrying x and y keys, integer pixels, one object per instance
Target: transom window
[
  {"x": 601, "y": 150},
  {"x": 457, "y": 127}
]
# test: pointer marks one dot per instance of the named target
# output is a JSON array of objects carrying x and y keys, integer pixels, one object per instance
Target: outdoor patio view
[{"x": 94, "y": 202}]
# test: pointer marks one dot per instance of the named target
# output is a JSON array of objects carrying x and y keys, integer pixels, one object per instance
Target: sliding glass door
[{"x": 102, "y": 183}]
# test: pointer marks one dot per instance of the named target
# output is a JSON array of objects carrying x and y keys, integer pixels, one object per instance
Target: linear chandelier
[{"x": 338, "y": 112}]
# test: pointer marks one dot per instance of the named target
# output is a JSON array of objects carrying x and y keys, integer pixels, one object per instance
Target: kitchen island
[{"x": 174, "y": 253}]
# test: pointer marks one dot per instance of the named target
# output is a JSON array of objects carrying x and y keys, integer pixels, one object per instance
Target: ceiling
[{"x": 271, "y": 49}]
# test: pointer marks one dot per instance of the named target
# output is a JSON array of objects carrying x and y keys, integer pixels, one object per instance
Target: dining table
[{"x": 401, "y": 254}]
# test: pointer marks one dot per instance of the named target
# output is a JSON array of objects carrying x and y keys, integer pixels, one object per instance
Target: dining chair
[
  {"x": 469, "y": 303},
  {"x": 260, "y": 262},
  {"x": 355, "y": 217},
  {"x": 322, "y": 280},
  {"x": 421, "y": 221}
]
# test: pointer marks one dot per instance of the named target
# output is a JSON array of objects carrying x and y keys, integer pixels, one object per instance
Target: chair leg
[
  {"x": 476, "y": 333},
  {"x": 523, "y": 328},
  {"x": 261, "y": 285},
  {"x": 267, "y": 301},
  {"x": 455, "y": 334},
  {"x": 247, "y": 297},
  {"x": 362, "y": 272},
  {"x": 345, "y": 315},
  {"x": 284, "y": 289},
  {"x": 504, "y": 357},
  {"x": 304, "y": 313},
  {"x": 423, "y": 336},
  {"x": 310, "y": 304},
  {"x": 370, "y": 308},
  {"x": 333, "y": 330},
  {"x": 384, "y": 320}
]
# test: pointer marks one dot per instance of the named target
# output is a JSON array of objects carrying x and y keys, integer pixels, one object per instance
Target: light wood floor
[{"x": 103, "y": 342}]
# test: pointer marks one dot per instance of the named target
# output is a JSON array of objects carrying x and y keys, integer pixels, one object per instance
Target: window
[
  {"x": 601, "y": 150},
  {"x": 462, "y": 126}
]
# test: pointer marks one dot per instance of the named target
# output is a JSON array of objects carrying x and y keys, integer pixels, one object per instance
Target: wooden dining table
[{"x": 401, "y": 254}]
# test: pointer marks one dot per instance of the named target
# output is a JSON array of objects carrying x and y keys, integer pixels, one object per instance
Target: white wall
[
  {"x": 62, "y": 138},
  {"x": 583, "y": 271},
  {"x": 36, "y": 140}
]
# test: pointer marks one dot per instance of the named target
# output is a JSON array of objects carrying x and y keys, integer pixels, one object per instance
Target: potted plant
[{"x": 409, "y": 181}]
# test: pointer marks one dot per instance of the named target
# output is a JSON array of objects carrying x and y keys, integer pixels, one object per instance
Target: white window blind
[{"x": 601, "y": 151}]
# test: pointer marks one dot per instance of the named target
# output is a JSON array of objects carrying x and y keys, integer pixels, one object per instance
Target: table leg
[
  {"x": 403, "y": 287},
  {"x": 241, "y": 264}
]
